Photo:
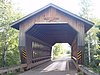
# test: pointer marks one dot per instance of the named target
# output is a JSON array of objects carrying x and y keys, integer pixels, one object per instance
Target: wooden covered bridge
[{"x": 40, "y": 30}]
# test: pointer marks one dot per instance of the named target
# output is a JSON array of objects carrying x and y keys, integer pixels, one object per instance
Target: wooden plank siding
[
  {"x": 51, "y": 15},
  {"x": 29, "y": 40}
]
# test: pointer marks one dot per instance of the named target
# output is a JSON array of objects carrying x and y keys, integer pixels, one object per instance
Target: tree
[
  {"x": 92, "y": 47},
  {"x": 85, "y": 13},
  {"x": 57, "y": 49},
  {"x": 8, "y": 36},
  {"x": 85, "y": 9},
  {"x": 60, "y": 49}
]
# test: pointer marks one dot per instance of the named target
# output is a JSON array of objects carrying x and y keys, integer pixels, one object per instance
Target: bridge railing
[
  {"x": 19, "y": 68},
  {"x": 83, "y": 69},
  {"x": 86, "y": 70},
  {"x": 40, "y": 59},
  {"x": 24, "y": 67},
  {"x": 75, "y": 61}
]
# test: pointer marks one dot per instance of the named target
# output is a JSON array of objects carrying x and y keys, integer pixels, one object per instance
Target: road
[{"x": 61, "y": 66}]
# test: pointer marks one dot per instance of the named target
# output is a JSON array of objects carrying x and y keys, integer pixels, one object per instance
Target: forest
[{"x": 9, "y": 54}]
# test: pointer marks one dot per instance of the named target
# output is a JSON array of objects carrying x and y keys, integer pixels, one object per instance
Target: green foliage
[
  {"x": 92, "y": 40},
  {"x": 80, "y": 73},
  {"x": 11, "y": 74},
  {"x": 59, "y": 50},
  {"x": 9, "y": 54}
]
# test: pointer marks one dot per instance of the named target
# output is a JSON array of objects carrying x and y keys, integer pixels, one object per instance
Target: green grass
[
  {"x": 11, "y": 74},
  {"x": 80, "y": 73}
]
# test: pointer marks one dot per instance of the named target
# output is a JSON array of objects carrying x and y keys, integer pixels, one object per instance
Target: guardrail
[
  {"x": 86, "y": 70},
  {"x": 19, "y": 68},
  {"x": 83, "y": 69},
  {"x": 22, "y": 67},
  {"x": 75, "y": 62}
]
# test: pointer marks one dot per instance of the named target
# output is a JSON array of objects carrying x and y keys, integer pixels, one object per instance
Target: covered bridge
[{"x": 40, "y": 30}]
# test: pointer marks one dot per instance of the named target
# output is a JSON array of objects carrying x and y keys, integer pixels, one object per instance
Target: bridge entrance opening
[
  {"x": 61, "y": 50},
  {"x": 41, "y": 37}
]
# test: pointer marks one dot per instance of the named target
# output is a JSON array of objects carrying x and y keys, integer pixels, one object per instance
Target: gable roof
[{"x": 16, "y": 24}]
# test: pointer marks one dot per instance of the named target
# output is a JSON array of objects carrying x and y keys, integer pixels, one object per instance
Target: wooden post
[
  {"x": 22, "y": 54},
  {"x": 22, "y": 48},
  {"x": 80, "y": 55},
  {"x": 74, "y": 48},
  {"x": 80, "y": 46}
]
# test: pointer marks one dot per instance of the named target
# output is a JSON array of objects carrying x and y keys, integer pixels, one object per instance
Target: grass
[
  {"x": 80, "y": 73},
  {"x": 11, "y": 74}
]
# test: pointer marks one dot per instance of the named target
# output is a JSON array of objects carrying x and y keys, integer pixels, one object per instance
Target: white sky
[
  {"x": 66, "y": 46},
  {"x": 28, "y": 6}
]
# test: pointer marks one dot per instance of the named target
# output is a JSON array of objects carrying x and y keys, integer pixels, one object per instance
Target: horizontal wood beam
[{"x": 45, "y": 23}]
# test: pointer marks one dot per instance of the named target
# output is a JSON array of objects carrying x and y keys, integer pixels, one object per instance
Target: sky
[{"x": 29, "y": 6}]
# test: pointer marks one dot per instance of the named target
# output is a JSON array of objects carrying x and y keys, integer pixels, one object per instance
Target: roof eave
[
  {"x": 16, "y": 23},
  {"x": 28, "y": 16}
]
